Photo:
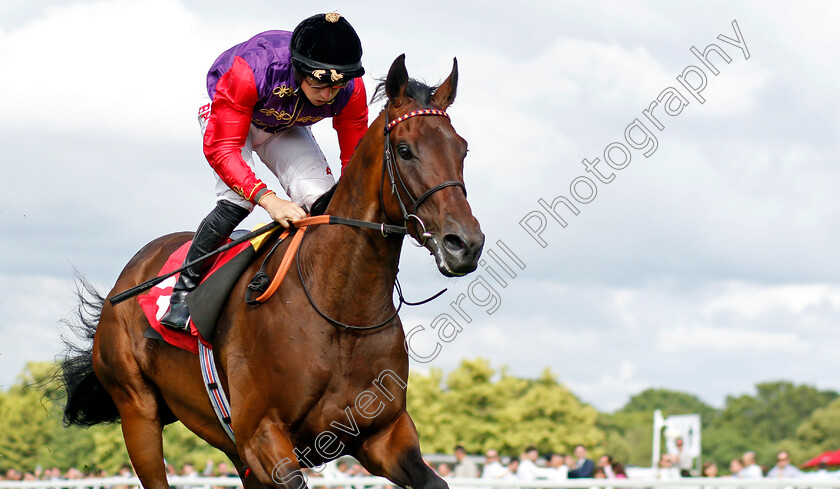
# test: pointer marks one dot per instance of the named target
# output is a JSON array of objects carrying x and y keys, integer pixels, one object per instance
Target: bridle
[{"x": 389, "y": 165}]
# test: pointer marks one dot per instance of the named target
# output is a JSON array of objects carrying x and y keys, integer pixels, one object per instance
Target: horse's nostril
[{"x": 453, "y": 243}]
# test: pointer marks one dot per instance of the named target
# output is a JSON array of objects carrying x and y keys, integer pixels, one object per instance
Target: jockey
[{"x": 265, "y": 93}]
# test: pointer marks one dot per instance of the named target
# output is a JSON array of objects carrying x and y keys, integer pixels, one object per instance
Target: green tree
[
  {"x": 775, "y": 412},
  {"x": 26, "y": 429},
  {"x": 471, "y": 402},
  {"x": 31, "y": 430},
  {"x": 671, "y": 403},
  {"x": 764, "y": 422},
  {"x": 821, "y": 431},
  {"x": 629, "y": 436},
  {"x": 424, "y": 401},
  {"x": 180, "y": 445},
  {"x": 548, "y": 416},
  {"x": 482, "y": 409}
]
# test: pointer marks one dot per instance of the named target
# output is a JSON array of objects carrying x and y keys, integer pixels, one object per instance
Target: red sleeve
[
  {"x": 352, "y": 122},
  {"x": 227, "y": 130}
]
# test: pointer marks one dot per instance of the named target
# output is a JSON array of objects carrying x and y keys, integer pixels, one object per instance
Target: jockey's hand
[{"x": 282, "y": 211}]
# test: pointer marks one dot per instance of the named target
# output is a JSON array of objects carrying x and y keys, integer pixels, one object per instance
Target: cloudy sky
[{"x": 707, "y": 266}]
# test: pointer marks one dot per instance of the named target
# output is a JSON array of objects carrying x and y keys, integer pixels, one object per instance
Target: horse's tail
[{"x": 88, "y": 403}]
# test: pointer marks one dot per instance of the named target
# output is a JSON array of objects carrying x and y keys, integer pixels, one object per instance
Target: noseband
[{"x": 394, "y": 175}]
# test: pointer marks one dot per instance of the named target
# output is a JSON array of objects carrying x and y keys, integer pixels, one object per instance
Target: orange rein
[{"x": 301, "y": 226}]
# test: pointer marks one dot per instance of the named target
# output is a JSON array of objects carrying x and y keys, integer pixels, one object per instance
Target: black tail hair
[{"x": 88, "y": 403}]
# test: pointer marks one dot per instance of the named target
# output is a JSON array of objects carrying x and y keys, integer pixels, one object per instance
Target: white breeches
[{"x": 293, "y": 157}]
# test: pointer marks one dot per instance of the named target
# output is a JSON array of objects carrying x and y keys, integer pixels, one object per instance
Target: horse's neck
[
  {"x": 357, "y": 193},
  {"x": 360, "y": 262},
  {"x": 357, "y": 196}
]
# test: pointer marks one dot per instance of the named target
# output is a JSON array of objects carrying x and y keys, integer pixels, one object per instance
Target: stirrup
[{"x": 177, "y": 317}]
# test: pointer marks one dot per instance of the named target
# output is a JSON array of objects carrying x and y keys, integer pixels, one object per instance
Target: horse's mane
[
  {"x": 415, "y": 89},
  {"x": 319, "y": 207}
]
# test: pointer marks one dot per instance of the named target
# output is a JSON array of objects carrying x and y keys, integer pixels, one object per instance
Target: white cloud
[
  {"x": 611, "y": 388},
  {"x": 735, "y": 91},
  {"x": 692, "y": 338},
  {"x": 551, "y": 89},
  {"x": 753, "y": 300},
  {"x": 30, "y": 308},
  {"x": 623, "y": 302},
  {"x": 134, "y": 67}
]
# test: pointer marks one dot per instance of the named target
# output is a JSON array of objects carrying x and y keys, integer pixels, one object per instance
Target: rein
[
  {"x": 260, "y": 282},
  {"x": 389, "y": 166},
  {"x": 267, "y": 286},
  {"x": 361, "y": 328}
]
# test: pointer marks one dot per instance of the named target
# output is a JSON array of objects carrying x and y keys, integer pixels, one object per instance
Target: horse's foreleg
[
  {"x": 248, "y": 481},
  {"x": 270, "y": 455},
  {"x": 395, "y": 454},
  {"x": 252, "y": 482}
]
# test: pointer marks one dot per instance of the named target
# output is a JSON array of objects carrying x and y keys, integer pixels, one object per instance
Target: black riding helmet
[{"x": 327, "y": 48}]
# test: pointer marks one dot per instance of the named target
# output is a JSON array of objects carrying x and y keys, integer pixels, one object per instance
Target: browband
[{"x": 414, "y": 113}]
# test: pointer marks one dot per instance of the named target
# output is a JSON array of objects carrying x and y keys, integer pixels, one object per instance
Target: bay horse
[{"x": 293, "y": 367}]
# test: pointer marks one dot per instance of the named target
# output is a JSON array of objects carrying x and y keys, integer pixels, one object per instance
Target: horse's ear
[
  {"x": 397, "y": 80},
  {"x": 445, "y": 94}
]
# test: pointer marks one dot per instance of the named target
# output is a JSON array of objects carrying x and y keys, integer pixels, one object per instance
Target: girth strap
[{"x": 218, "y": 399}]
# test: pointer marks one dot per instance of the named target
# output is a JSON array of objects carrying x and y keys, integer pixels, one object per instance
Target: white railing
[{"x": 376, "y": 482}]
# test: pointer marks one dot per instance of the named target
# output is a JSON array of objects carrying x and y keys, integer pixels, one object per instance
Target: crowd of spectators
[
  {"x": 51, "y": 474},
  {"x": 530, "y": 465},
  {"x": 745, "y": 467},
  {"x": 554, "y": 466},
  {"x": 187, "y": 471}
]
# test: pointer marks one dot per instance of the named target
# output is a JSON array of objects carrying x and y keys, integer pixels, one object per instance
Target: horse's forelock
[{"x": 416, "y": 89}]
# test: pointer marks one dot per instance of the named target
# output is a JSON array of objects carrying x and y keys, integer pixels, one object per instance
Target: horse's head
[{"x": 424, "y": 170}]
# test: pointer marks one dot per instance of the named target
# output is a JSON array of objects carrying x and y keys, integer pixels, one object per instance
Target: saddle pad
[{"x": 205, "y": 302}]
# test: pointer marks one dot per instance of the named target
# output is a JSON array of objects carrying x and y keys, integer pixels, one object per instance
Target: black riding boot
[{"x": 212, "y": 233}]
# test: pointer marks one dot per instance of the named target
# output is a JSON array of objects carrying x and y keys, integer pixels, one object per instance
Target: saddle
[{"x": 206, "y": 301}]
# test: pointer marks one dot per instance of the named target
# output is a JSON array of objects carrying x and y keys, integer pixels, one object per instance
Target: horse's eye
[{"x": 404, "y": 152}]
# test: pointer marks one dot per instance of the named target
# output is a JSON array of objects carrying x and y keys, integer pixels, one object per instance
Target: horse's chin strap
[{"x": 394, "y": 176}]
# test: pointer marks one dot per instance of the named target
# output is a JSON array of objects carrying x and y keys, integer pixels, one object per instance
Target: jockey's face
[{"x": 319, "y": 93}]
